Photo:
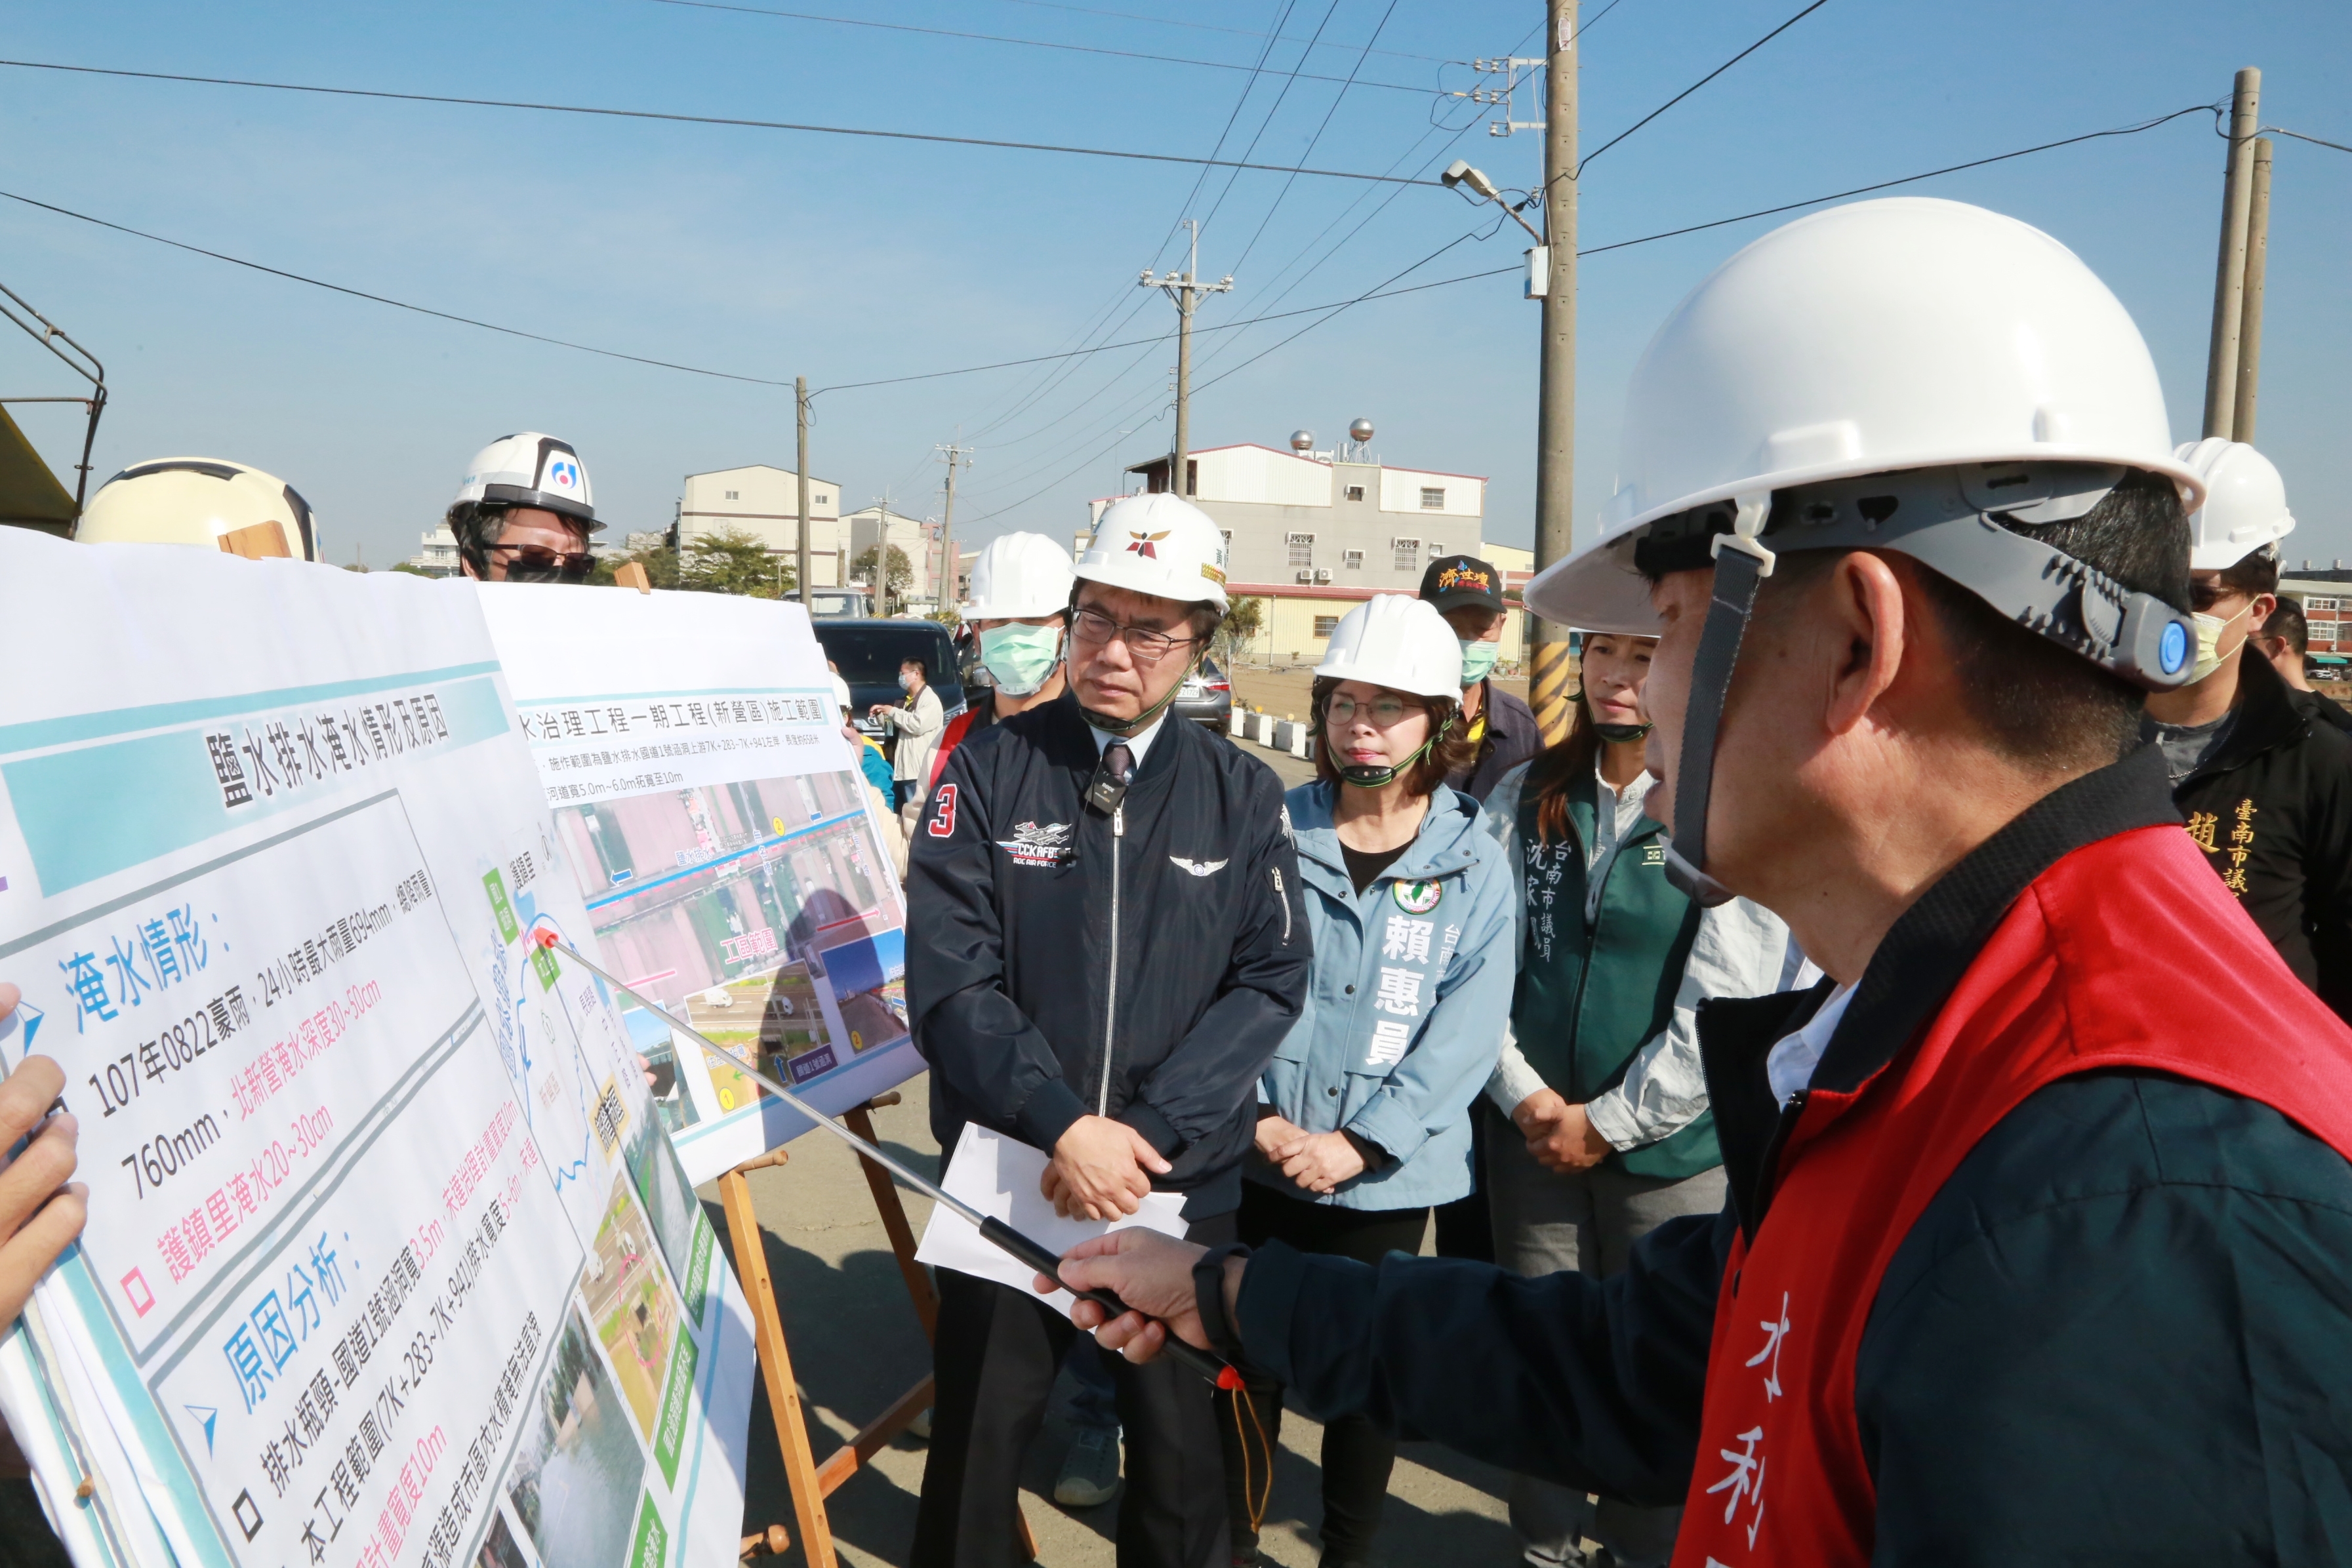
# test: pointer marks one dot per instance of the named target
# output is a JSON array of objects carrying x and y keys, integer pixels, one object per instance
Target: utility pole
[
  {"x": 1556, "y": 402},
  {"x": 800, "y": 423},
  {"x": 955, "y": 454},
  {"x": 1185, "y": 289},
  {"x": 2249, "y": 317},
  {"x": 882, "y": 557},
  {"x": 2229, "y": 271}
]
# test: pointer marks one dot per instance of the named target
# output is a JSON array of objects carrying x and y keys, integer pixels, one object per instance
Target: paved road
[{"x": 856, "y": 1346}]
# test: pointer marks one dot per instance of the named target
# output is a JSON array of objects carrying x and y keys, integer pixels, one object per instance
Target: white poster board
[
  {"x": 388, "y": 1261},
  {"x": 691, "y": 752}
]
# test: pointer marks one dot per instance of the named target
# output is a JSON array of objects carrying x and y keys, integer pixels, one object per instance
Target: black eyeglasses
[
  {"x": 1093, "y": 628},
  {"x": 536, "y": 563},
  {"x": 2204, "y": 596}
]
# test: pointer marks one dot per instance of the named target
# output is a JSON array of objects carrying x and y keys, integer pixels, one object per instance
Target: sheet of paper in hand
[
  {"x": 999, "y": 1177},
  {"x": 689, "y": 748},
  {"x": 389, "y": 1261}
]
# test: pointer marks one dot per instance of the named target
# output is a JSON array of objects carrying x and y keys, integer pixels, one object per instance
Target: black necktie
[{"x": 1118, "y": 762}]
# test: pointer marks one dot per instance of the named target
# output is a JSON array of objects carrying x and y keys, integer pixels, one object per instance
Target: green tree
[
  {"x": 902, "y": 571},
  {"x": 402, "y": 567},
  {"x": 660, "y": 564},
  {"x": 1244, "y": 620},
  {"x": 731, "y": 560}
]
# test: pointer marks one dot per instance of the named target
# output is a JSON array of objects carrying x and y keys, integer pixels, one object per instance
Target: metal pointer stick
[{"x": 1035, "y": 1254}]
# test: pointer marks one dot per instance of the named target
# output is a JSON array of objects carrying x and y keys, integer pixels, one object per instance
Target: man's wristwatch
[{"x": 1209, "y": 1300}]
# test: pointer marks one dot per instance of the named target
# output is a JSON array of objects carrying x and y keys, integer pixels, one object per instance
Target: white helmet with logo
[
  {"x": 1908, "y": 333},
  {"x": 2245, "y": 503},
  {"x": 1912, "y": 375},
  {"x": 527, "y": 469},
  {"x": 1157, "y": 544},
  {"x": 206, "y": 502},
  {"x": 1396, "y": 640},
  {"x": 1019, "y": 576}
]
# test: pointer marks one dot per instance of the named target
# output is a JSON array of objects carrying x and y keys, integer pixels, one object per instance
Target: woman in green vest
[{"x": 1600, "y": 1073}]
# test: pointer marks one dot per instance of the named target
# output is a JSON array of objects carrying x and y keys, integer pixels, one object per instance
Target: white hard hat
[
  {"x": 2245, "y": 503},
  {"x": 1157, "y": 544},
  {"x": 1018, "y": 576},
  {"x": 202, "y": 501},
  {"x": 527, "y": 469},
  {"x": 841, "y": 692},
  {"x": 1396, "y": 640},
  {"x": 1907, "y": 333}
]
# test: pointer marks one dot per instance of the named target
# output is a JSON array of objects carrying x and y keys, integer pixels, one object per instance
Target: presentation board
[
  {"x": 691, "y": 753},
  {"x": 390, "y": 1260}
]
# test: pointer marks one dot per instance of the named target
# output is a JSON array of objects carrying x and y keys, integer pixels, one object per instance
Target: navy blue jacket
[{"x": 1142, "y": 964}]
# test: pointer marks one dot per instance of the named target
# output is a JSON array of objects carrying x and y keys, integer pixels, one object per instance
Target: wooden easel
[{"x": 812, "y": 1482}]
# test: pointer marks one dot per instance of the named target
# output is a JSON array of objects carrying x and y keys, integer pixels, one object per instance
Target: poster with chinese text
[{"x": 389, "y": 1260}]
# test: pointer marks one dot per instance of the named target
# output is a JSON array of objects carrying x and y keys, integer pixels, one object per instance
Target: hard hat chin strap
[
  {"x": 1364, "y": 778},
  {"x": 1124, "y": 727},
  {"x": 1741, "y": 565}
]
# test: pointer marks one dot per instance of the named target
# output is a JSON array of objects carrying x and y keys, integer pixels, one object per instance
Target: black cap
[{"x": 1454, "y": 580}]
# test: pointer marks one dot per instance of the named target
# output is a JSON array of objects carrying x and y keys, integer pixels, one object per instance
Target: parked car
[
  {"x": 840, "y": 603},
  {"x": 1207, "y": 698},
  {"x": 868, "y": 652}
]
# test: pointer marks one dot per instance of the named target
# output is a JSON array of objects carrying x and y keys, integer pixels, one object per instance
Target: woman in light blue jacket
[{"x": 1364, "y": 1113}]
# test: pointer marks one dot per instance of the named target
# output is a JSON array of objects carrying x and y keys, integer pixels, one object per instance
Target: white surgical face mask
[
  {"x": 1022, "y": 657},
  {"x": 906, "y": 681},
  {"x": 2209, "y": 643}
]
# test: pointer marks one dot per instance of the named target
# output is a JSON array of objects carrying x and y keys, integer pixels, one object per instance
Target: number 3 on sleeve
[{"x": 943, "y": 818}]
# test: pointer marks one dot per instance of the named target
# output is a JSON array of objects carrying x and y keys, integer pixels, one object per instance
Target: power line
[
  {"x": 1694, "y": 87},
  {"x": 1380, "y": 293},
  {"x": 1289, "y": 80},
  {"x": 384, "y": 299},
  {"x": 1001, "y": 38},
  {"x": 2299, "y": 136},
  {"x": 700, "y": 119},
  {"x": 1914, "y": 179},
  {"x": 1213, "y": 28},
  {"x": 1317, "y": 139}
]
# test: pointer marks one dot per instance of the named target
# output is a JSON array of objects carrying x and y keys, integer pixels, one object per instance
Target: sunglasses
[{"x": 536, "y": 563}]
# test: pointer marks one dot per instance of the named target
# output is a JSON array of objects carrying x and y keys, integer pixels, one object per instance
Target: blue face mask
[
  {"x": 1478, "y": 661},
  {"x": 1022, "y": 658}
]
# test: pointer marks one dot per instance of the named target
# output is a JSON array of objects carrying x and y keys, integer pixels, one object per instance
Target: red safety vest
[{"x": 2125, "y": 953}]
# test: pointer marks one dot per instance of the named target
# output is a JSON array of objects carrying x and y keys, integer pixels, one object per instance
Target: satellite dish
[
  {"x": 1302, "y": 441},
  {"x": 1361, "y": 430}
]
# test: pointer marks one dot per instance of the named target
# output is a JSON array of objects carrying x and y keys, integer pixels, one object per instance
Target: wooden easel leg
[
  {"x": 919, "y": 1282},
  {"x": 776, "y": 1366},
  {"x": 894, "y": 1222}
]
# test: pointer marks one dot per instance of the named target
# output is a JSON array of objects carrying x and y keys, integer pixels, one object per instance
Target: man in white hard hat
[
  {"x": 1020, "y": 607},
  {"x": 1105, "y": 946},
  {"x": 2040, "y": 1239},
  {"x": 2261, "y": 778},
  {"x": 207, "y": 502},
  {"x": 524, "y": 512}
]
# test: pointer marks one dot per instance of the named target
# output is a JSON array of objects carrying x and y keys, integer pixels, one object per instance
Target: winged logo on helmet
[{"x": 1140, "y": 544}]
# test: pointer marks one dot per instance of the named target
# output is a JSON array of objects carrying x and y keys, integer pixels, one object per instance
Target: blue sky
[{"x": 770, "y": 254}]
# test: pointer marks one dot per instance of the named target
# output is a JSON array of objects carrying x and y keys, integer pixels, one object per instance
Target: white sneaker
[{"x": 1090, "y": 1470}]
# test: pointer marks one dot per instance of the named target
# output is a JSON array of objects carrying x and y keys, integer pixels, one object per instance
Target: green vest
[{"x": 1589, "y": 997}]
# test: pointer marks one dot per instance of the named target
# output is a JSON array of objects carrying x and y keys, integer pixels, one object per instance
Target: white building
[
  {"x": 1314, "y": 533},
  {"x": 765, "y": 501},
  {"x": 439, "y": 556},
  {"x": 917, "y": 538}
]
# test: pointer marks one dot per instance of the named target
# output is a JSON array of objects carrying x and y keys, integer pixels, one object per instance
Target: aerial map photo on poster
[{"x": 694, "y": 763}]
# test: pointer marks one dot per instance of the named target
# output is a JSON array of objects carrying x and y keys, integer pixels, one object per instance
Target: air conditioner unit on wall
[
  {"x": 1322, "y": 574},
  {"x": 1305, "y": 576}
]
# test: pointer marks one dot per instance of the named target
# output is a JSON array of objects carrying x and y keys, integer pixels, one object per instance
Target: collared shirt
[
  {"x": 1789, "y": 1066},
  {"x": 1136, "y": 744},
  {"x": 1622, "y": 814}
]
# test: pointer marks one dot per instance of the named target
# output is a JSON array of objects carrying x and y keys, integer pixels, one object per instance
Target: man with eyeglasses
[
  {"x": 524, "y": 512},
  {"x": 1105, "y": 945},
  {"x": 2262, "y": 780}
]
